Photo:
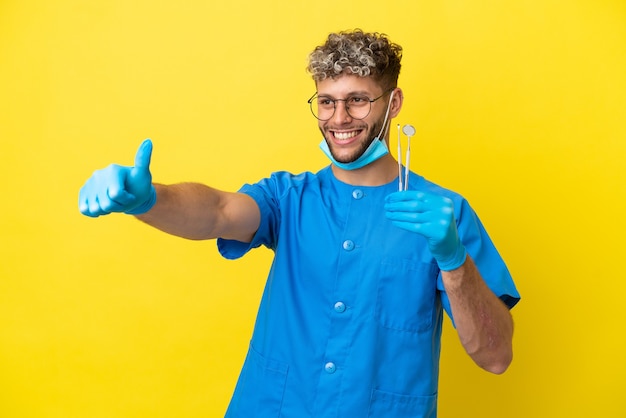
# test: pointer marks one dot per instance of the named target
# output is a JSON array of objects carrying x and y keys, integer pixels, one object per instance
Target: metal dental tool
[
  {"x": 409, "y": 131},
  {"x": 399, "y": 162}
]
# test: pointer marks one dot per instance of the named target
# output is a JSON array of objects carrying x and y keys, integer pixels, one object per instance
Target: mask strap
[{"x": 385, "y": 126}]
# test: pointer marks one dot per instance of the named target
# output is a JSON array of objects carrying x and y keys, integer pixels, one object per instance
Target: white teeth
[{"x": 345, "y": 135}]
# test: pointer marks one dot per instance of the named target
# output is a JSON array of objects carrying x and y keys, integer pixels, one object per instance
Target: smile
[{"x": 344, "y": 136}]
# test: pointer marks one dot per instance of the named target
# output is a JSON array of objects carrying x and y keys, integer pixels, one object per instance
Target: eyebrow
[{"x": 350, "y": 94}]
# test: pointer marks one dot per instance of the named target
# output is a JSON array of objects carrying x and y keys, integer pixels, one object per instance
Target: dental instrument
[
  {"x": 399, "y": 162},
  {"x": 409, "y": 131}
]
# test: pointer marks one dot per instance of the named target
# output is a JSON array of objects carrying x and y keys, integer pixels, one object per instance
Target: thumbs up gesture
[{"x": 120, "y": 189}]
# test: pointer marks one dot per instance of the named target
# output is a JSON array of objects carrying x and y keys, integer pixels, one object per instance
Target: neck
[{"x": 382, "y": 171}]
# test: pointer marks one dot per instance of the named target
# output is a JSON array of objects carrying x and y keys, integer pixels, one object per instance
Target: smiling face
[{"x": 346, "y": 137}]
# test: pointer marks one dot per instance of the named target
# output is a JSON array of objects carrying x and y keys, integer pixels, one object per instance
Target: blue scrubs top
[{"x": 350, "y": 320}]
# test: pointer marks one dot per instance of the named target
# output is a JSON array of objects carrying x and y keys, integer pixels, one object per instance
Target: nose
[{"x": 341, "y": 114}]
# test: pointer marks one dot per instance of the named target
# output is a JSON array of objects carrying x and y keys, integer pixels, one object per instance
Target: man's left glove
[{"x": 431, "y": 216}]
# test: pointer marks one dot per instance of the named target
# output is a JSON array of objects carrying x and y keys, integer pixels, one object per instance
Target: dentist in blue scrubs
[{"x": 350, "y": 320}]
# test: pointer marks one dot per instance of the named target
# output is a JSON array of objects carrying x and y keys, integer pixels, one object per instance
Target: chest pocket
[{"x": 407, "y": 295}]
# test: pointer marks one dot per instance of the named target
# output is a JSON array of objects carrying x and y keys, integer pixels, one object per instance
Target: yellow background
[{"x": 520, "y": 106}]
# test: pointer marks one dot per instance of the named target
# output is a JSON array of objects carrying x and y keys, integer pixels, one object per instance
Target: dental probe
[
  {"x": 399, "y": 162},
  {"x": 409, "y": 131}
]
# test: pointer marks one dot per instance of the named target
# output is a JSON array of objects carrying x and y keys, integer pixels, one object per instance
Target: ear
[{"x": 396, "y": 103}]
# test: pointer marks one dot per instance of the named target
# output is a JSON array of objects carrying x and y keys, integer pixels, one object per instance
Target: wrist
[
  {"x": 145, "y": 206},
  {"x": 454, "y": 261}
]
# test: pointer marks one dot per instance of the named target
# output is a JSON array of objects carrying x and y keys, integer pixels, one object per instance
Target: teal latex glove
[
  {"x": 433, "y": 217},
  {"x": 119, "y": 188}
]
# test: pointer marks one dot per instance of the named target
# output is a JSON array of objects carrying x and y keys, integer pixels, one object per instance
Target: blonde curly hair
[{"x": 357, "y": 52}]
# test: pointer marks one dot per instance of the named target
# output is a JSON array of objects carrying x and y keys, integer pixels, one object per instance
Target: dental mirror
[{"x": 408, "y": 130}]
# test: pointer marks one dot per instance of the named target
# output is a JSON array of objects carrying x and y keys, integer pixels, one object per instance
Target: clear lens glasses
[{"x": 357, "y": 106}]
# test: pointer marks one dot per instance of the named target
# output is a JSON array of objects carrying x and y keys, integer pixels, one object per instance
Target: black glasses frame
[{"x": 310, "y": 102}]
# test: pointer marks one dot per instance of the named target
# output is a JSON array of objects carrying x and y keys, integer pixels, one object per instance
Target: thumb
[{"x": 143, "y": 156}]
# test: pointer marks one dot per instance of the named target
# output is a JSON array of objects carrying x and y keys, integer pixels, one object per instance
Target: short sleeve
[{"x": 267, "y": 194}]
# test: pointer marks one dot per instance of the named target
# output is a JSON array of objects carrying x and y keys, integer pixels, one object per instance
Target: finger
[
  {"x": 412, "y": 217},
  {"x": 108, "y": 185},
  {"x": 102, "y": 203},
  {"x": 93, "y": 207},
  {"x": 404, "y": 196},
  {"x": 83, "y": 204},
  {"x": 441, "y": 207},
  {"x": 406, "y": 206},
  {"x": 120, "y": 196},
  {"x": 144, "y": 155},
  {"x": 88, "y": 201},
  {"x": 411, "y": 227},
  {"x": 86, "y": 209},
  {"x": 438, "y": 205}
]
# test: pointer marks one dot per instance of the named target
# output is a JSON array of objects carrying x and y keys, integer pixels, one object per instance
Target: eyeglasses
[{"x": 357, "y": 106}]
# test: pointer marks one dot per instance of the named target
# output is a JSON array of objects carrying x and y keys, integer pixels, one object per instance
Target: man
[{"x": 350, "y": 320}]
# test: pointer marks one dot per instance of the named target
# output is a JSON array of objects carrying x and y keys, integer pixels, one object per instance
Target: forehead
[{"x": 348, "y": 84}]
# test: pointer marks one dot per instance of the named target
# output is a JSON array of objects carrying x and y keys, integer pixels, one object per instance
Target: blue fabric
[
  {"x": 374, "y": 151},
  {"x": 350, "y": 320}
]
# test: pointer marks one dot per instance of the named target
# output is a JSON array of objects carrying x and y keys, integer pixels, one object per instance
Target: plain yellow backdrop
[{"x": 519, "y": 106}]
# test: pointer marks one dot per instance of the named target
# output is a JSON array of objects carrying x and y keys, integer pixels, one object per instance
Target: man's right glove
[{"x": 119, "y": 188}]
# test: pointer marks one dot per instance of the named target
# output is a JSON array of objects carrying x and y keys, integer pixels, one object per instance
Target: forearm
[
  {"x": 195, "y": 211},
  {"x": 188, "y": 210},
  {"x": 482, "y": 320}
]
